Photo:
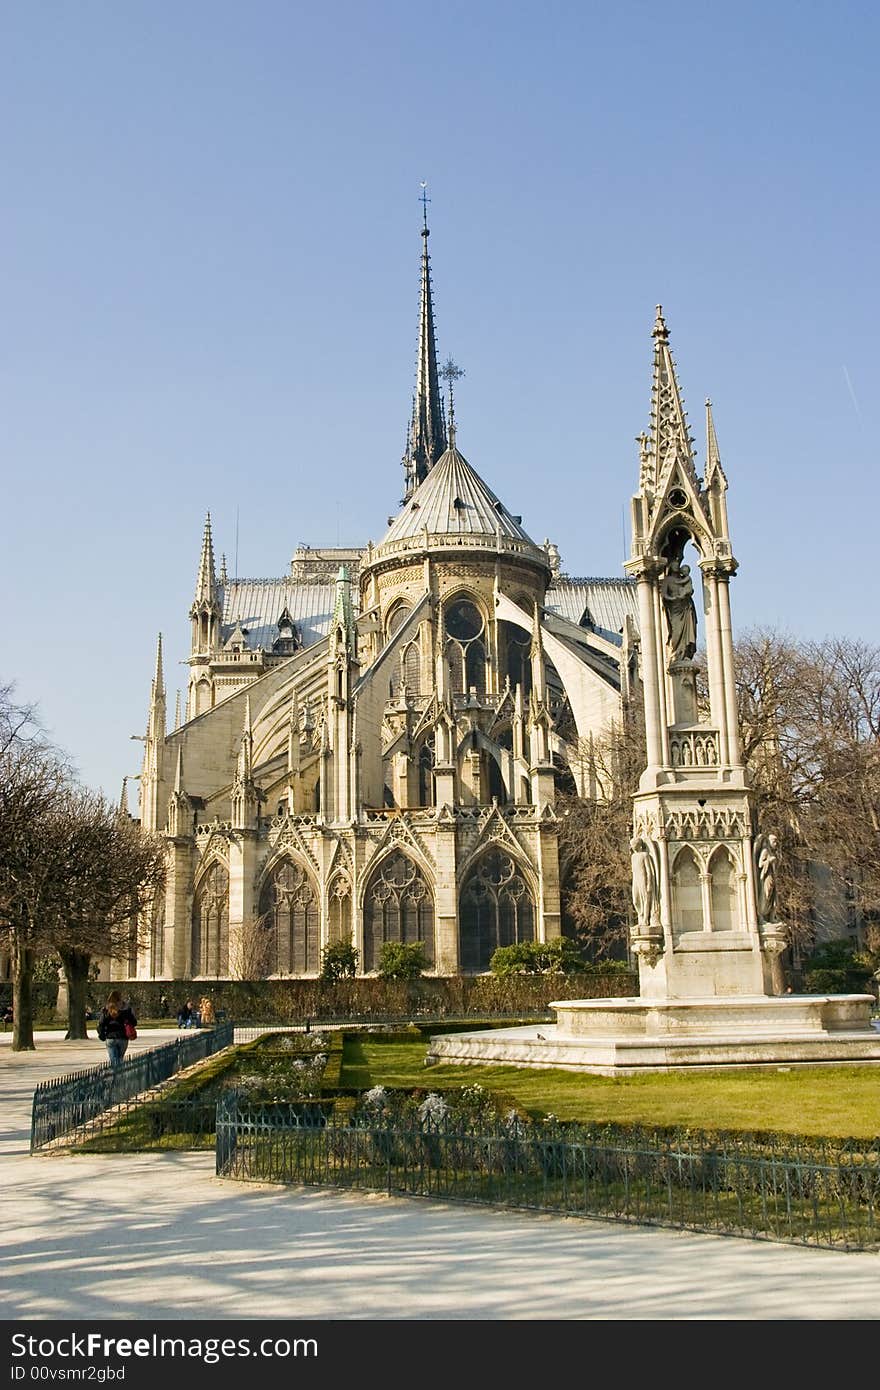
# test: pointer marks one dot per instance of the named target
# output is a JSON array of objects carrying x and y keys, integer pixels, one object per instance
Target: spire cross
[
  {"x": 424, "y": 200},
  {"x": 451, "y": 374}
]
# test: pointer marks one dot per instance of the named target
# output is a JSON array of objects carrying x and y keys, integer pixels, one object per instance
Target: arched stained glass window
[
  {"x": 290, "y": 909},
  {"x": 495, "y": 909},
  {"x": 398, "y": 906},
  {"x": 465, "y": 646},
  {"x": 210, "y": 925}
]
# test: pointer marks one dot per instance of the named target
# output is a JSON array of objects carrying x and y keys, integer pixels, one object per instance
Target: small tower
[
  {"x": 698, "y": 933},
  {"x": 206, "y": 615},
  {"x": 153, "y": 769},
  {"x": 245, "y": 798},
  {"x": 179, "y": 805},
  {"x": 342, "y": 673}
]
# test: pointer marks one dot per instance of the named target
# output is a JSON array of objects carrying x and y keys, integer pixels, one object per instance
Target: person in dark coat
[{"x": 114, "y": 1025}]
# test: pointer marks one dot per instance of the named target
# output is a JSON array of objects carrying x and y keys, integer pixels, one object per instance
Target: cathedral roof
[
  {"x": 257, "y": 604},
  {"x": 601, "y": 604},
  {"x": 454, "y": 500}
]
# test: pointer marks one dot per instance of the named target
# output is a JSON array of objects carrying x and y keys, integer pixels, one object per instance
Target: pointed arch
[
  {"x": 289, "y": 906},
  {"x": 496, "y": 907},
  {"x": 398, "y": 906},
  {"x": 722, "y": 872},
  {"x": 687, "y": 892},
  {"x": 339, "y": 922},
  {"x": 210, "y": 922}
]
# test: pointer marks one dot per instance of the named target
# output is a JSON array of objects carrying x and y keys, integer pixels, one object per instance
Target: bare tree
[
  {"x": 113, "y": 873},
  {"x": 594, "y": 857},
  {"x": 252, "y": 949},
  {"x": 33, "y": 774}
]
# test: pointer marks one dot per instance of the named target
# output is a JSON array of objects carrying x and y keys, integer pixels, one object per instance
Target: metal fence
[
  {"x": 799, "y": 1192},
  {"x": 64, "y": 1103}
]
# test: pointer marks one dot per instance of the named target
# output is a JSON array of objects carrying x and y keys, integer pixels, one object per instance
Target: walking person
[{"x": 115, "y": 1026}]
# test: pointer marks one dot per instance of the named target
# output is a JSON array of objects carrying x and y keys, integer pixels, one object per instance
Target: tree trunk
[
  {"x": 76, "y": 970},
  {"x": 22, "y": 994}
]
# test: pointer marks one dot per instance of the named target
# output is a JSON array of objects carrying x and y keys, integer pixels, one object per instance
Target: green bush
[
  {"x": 399, "y": 960},
  {"x": 837, "y": 967},
  {"x": 561, "y": 956},
  {"x": 338, "y": 961},
  {"x": 367, "y": 996}
]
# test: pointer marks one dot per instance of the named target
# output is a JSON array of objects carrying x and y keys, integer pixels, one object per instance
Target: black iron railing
[
  {"x": 67, "y": 1102},
  {"x": 800, "y": 1192}
]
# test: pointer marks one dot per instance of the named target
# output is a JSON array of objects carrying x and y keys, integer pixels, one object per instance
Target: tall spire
[
  {"x": 670, "y": 438},
  {"x": 178, "y": 771},
  {"x": 123, "y": 799},
  {"x": 159, "y": 676},
  {"x": 206, "y": 583},
  {"x": 713, "y": 456},
  {"x": 427, "y": 433}
]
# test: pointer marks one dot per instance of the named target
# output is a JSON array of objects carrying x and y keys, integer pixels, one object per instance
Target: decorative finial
[
  {"x": 424, "y": 200},
  {"x": 450, "y": 374},
  {"x": 660, "y": 330}
]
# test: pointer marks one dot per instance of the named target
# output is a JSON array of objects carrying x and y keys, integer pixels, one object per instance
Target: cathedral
[{"x": 373, "y": 743}]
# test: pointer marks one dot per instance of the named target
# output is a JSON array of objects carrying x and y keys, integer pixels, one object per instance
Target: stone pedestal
[{"x": 611, "y": 1037}]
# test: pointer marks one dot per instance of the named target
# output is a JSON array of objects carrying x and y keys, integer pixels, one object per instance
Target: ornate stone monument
[{"x": 706, "y": 932}]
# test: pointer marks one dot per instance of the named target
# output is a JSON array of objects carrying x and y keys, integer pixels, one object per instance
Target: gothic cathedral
[{"x": 373, "y": 742}]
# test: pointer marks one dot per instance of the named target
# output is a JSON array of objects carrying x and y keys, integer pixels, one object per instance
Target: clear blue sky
[{"x": 209, "y": 266}]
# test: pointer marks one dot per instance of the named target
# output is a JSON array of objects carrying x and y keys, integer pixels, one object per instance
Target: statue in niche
[
  {"x": 644, "y": 883},
  {"x": 677, "y": 593},
  {"x": 765, "y": 876}
]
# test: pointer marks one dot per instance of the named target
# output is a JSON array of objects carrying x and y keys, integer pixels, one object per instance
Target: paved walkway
[{"x": 160, "y": 1237}]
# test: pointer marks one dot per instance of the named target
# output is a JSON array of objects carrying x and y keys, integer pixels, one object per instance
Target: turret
[{"x": 245, "y": 798}]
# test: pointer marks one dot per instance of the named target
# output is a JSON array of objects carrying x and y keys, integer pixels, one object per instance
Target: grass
[{"x": 829, "y": 1102}]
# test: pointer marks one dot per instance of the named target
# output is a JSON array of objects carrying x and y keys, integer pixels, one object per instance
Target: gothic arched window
[
  {"x": 426, "y": 773},
  {"x": 398, "y": 906},
  {"x": 687, "y": 894},
  {"x": 210, "y": 924},
  {"x": 723, "y": 871},
  {"x": 517, "y": 647},
  {"x": 465, "y": 646},
  {"x": 412, "y": 668},
  {"x": 495, "y": 909},
  {"x": 339, "y": 905},
  {"x": 290, "y": 909}
]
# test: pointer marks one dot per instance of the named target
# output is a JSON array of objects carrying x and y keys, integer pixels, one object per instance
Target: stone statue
[
  {"x": 765, "y": 876},
  {"x": 677, "y": 592},
  {"x": 644, "y": 883}
]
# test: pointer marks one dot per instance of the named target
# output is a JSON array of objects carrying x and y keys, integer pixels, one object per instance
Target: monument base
[{"x": 614, "y": 1037}]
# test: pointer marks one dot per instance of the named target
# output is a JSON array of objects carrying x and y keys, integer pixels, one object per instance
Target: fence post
[{"x": 226, "y": 1140}]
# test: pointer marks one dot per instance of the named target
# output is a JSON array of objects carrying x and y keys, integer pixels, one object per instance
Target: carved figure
[
  {"x": 677, "y": 592},
  {"x": 765, "y": 876},
  {"x": 644, "y": 882}
]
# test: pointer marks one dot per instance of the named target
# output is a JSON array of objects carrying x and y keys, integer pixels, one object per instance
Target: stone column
[
  {"x": 243, "y": 855},
  {"x": 717, "y": 702},
  {"x": 651, "y": 675},
  {"x": 177, "y": 962},
  {"x": 550, "y": 912},
  {"x": 446, "y": 900},
  {"x": 729, "y": 671}
]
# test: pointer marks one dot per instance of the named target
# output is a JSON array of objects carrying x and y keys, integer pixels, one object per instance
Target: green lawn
[{"x": 834, "y": 1102}]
